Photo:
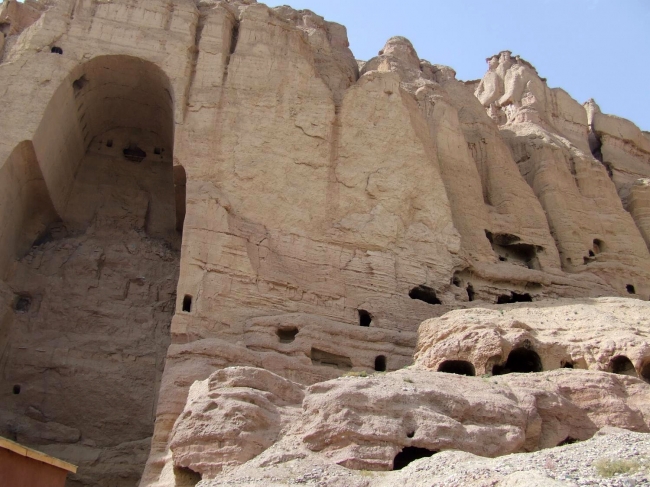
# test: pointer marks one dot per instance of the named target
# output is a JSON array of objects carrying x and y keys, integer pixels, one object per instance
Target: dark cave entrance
[
  {"x": 424, "y": 293},
  {"x": 459, "y": 367},
  {"x": 410, "y": 454},
  {"x": 287, "y": 335},
  {"x": 622, "y": 365},
  {"x": 365, "y": 318},
  {"x": 380, "y": 363},
  {"x": 514, "y": 298},
  {"x": 510, "y": 248},
  {"x": 520, "y": 360}
]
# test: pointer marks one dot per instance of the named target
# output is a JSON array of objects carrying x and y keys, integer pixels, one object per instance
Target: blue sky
[{"x": 592, "y": 48}]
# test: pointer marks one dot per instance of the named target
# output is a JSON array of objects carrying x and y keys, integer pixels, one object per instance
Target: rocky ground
[{"x": 595, "y": 462}]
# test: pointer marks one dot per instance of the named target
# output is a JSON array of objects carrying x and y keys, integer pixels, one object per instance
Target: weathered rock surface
[
  {"x": 564, "y": 466},
  {"x": 323, "y": 209},
  {"x": 363, "y": 423},
  {"x": 610, "y": 334}
]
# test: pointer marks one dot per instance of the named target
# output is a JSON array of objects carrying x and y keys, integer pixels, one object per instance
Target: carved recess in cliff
[{"x": 95, "y": 293}]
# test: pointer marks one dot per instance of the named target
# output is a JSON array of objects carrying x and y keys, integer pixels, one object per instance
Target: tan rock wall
[{"x": 312, "y": 198}]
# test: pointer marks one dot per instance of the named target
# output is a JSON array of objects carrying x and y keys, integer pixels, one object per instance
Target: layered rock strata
[
  {"x": 323, "y": 208},
  {"x": 251, "y": 419}
]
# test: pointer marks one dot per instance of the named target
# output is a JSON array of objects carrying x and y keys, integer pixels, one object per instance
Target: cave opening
[
  {"x": 514, "y": 298},
  {"x": 22, "y": 302},
  {"x": 521, "y": 360},
  {"x": 510, "y": 248},
  {"x": 110, "y": 227},
  {"x": 186, "y": 477},
  {"x": 380, "y": 363},
  {"x": 327, "y": 359},
  {"x": 410, "y": 454},
  {"x": 459, "y": 367},
  {"x": 630, "y": 289},
  {"x": 598, "y": 246},
  {"x": 287, "y": 335},
  {"x": 424, "y": 293},
  {"x": 365, "y": 318},
  {"x": 622, "y": 365},
  {"x": 187, "y": 303}
]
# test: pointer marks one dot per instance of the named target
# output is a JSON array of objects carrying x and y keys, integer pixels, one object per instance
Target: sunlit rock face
[{"x": 190, "y": 186}]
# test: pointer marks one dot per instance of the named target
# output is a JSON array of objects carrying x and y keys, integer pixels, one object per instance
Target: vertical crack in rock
[
  {"x": 171, "y": 8},
  {"x": 332, "y": 199},
  {"x": 195, "y": 50},
  {"x": 234, "y": 38}
]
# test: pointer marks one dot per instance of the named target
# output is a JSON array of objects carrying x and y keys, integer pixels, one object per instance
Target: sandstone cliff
[{"x": 187, "y": 186}]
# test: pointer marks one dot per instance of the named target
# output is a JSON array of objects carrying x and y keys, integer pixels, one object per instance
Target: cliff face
[{"x": 225, "y": 179}]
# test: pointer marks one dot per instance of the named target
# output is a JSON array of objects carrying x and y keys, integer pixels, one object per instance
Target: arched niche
[
  {"x": 105, "y": 94},
  {"x": 102, "y": 242}
]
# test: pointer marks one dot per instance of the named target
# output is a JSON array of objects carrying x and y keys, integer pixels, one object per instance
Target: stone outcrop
[
  {"x": 15, "y": 18},
  {"x": 187, "y": 186},
  {"x": 625, "y": 152},
  {"x": 569, "y": 465},
  {"x": 244, "y": 414},
  {"x": 608, "y": 334}
]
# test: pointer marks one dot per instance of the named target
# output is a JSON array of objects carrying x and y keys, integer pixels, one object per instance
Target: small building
[{"x": 23, "y": 467}]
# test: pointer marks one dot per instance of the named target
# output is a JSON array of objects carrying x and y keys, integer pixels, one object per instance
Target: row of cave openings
[
  {"x": 524, "y": 360},
  {"x": 287, "y": 334},
  {"x": 510, "y": 248}
]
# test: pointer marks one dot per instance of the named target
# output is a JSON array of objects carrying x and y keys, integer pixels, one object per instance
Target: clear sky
[{"x": 592, "y": 48}]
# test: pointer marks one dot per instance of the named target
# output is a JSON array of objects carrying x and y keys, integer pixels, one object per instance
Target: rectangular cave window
[
  {"x": 380, "y": 363},
  {"x": 327, "y": 359},
  {"x": 514, "y": 298},
  {"x": 187, "y": 303},
  {"x": 365, "y": 318}
]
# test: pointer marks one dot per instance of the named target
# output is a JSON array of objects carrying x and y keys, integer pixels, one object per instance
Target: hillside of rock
[{"x": 189, "y": 186}]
